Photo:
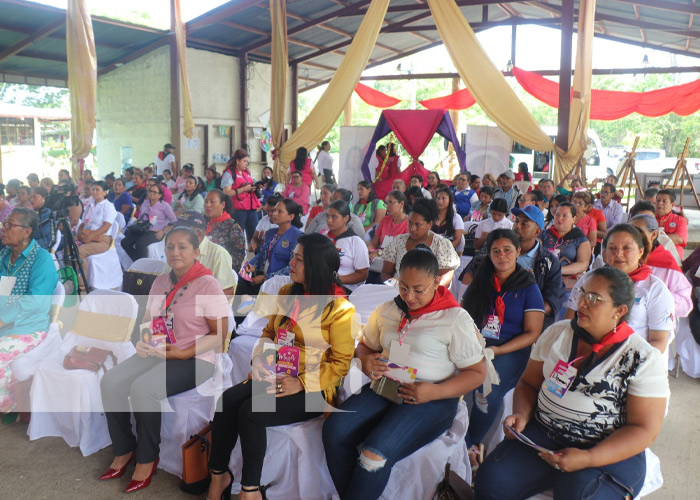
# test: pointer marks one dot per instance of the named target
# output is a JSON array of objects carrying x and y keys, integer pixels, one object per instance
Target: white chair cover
[
  {"x": 366, "y": 298},
  {"x": 456, "y": 287},
  {"x": 121, "y": 222},
  {"x": 68, "y": 403},
  {"x": 153, "y": 266},
  {"x": 253, "y": 324},
  {"x": 124, "y": 258},
  {"x": 295, "y": 461},
  {"x": 104, "y": 270},
  {"x": 687, "y": 349},
  {"x": 241, "y": 353},
  {"x": 156, "y": 251}
]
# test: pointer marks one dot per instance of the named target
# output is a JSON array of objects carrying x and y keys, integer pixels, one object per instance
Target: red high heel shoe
[
  {"x": 117, "y": 473},
  {"x": 139, "y": 485}
]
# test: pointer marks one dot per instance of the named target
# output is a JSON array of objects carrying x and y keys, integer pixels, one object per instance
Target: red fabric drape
[
  {"x": 374, "y": 97},
  {"x": 462, "y": 99},
  {"x": 611, "y": 104}
]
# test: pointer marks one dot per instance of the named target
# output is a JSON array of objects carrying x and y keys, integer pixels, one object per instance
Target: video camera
[{"x": 61, "y": 198}]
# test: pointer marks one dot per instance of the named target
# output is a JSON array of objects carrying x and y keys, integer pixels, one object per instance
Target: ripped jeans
[
  {"x": 513, "y": 471},
  {"x": 372, "y": 423}
]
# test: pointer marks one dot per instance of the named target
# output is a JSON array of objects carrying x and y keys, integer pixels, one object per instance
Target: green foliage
[{"x": 38, "y": 97}]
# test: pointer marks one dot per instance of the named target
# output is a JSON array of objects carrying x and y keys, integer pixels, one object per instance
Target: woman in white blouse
[
  {"x": 424, "y": 329},
  {"x": 94, "y": 233},
  {"x": 593, "y": 394},
  {"x": 420, "y": 222},
  {"x": 354, "y": 256}
]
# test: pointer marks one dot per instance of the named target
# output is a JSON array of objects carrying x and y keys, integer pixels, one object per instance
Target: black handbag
[
  {"x": 469, "y": 237},
  {"x": 138, "y": 228}
]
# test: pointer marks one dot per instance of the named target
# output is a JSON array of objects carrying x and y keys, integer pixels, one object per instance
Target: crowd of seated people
[{"x": 546, "y": 254}]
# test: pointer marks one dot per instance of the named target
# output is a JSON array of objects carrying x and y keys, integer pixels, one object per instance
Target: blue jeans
[
  {"x": 509, "y": 367},
  {"x": 248, "y": 220},
  {"x": 391, "y": 431},
  {"x": 514, "y": 471}
]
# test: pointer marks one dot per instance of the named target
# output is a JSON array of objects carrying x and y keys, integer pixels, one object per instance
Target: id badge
[
  {"x": 492, "y": 330},
  {"x": 560, "y": 379},
  {"x": 400, "y": 353},
  {"x": 285, "y": 337},
  {"x": 554, "y": 251},
  {"x": 7, "y": 284}
]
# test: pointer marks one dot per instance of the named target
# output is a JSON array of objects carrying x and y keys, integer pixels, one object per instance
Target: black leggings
[
  {"x": 136, "y": 245},
  {"x": 238, "y": 419}
]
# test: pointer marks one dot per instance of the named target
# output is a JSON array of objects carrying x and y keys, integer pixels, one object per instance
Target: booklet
[
  {"x": 243, "y": 273},
  {"x": 287, "y": 361},
  {"x": 401, "y": 373},
  {"x": 148, "y": 336},
  {"x": 524, "y": 439}
]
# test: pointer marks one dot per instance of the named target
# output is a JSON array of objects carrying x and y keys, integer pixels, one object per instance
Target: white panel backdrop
[{"x": 354, "y": 142}]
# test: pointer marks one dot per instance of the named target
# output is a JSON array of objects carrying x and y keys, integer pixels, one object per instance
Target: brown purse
[
  {"x": 195, "y": 462},
  {"x": 87, "y": 358},
  {"x": 453, "y": 487}
]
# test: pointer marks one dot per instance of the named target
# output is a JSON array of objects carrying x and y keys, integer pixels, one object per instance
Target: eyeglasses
[
  {"x": 154, "y": 191},
  {"x": 590, "y": 298},
  {"x": 9, "y": 225},
  {"x": 404, "y": 290}
]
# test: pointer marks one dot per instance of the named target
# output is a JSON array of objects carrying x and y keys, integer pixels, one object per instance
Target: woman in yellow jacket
[{"x": 312, "y": 330}]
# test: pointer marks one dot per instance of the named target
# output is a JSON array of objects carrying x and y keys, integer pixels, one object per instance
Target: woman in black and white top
[
  {"x": 354, "y": 256},
  {"x": 592, "y": 393}
]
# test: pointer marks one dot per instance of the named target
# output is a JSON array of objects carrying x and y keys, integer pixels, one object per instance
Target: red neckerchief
[
  {"x": 161, "y": 155},
  {"x": 620, "y": 334},
  {"x": 641, "y": 273},
  {"x": 442, "y": 300},
  {"x": 660, "y": 257},
  {"x": 362, "y": 202},
  {"x": 213, "y": 222},
  {"x": 500, "y": 305},
  {"x": 196, "y": 271}
]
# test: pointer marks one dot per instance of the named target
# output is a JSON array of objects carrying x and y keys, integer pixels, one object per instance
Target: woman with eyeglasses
[
  {"x": 507, "y": 307},
  {"x": 592, "y": 393},
  {"x": 420, "y": 222},
  {"x": 27, "y": 281},
  {"x": 159, "y": 214},
  {"x": 653, "y": 313},
  {"x": 422, "y": 328}
]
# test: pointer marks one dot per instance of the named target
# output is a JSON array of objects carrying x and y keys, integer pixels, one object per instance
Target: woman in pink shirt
[
  {"x": 394, "y": 223},
  {"x": 298, "y": 191},
  {"x": 188, "y": 306},
  {"x": 302, "y": 163},
  {"x": 583, "y": 201},
  {"x": 237, "y": 182}
]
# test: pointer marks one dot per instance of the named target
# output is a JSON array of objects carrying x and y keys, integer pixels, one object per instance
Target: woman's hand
[
  {"x": 285, "y": 386},
  {"x": 259, "y": 373},
  {"x": 160, "y": 234},
  {"x": 258, "y": 280},
  {"x": 250, "y": 268},
  {"x": 142, "y": 349},
  {"x": 372, "y": 366},
  {"x": 173, "y": 352},
  {"x": 516, "y": 421},
  {"x": 417, "y": 393},
  {"x": 373, "y": 255},
  {"x": 568, "y": 459}
]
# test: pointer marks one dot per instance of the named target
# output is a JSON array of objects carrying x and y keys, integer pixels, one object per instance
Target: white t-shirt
[
  {"x": 169, "y": 184},
  {"x": 442, "y": 248},
  {"x": 164, "y": 164},
  {"x": 441, "y": 342},
  {"x": 596, "y": 407},
  {"x": 324, "y": 161},
  {"x": 96, "y": 215},
  {"x": 353, "y": 256},
  {"x": 264, "y": 225},
  {"x": 653, "y": 307},
  {"x": 488, "y": 225}
]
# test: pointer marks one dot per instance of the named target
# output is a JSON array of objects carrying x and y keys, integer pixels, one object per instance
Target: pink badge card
[
  {"x": 287, "y": 361},
  {"x": 560, "y": 379}
]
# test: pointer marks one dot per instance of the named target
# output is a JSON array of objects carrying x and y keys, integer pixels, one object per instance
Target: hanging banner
[{"x": 374, "y": 97}]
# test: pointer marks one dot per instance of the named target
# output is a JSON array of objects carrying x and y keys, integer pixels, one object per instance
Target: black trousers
[
  {"x": 136, "y": 245},
  {"x": 145, "y": 382},
  {"x": 239, "y": 419}
]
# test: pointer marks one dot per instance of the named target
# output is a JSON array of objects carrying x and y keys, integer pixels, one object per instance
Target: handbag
[
  {"x": 453, "y": 487},
  {"x": 195, "y": 462},
  {"x": 87, "y": 358},
  {"x": 138, "y": 228}
]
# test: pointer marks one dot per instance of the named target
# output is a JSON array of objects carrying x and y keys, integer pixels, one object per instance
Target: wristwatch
[{"x": 380, "y": 252}]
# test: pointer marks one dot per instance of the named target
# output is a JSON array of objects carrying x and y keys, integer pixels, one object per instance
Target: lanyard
[
  {"x": 273, "y": 243},
  {"x": 404, "y": 327}
]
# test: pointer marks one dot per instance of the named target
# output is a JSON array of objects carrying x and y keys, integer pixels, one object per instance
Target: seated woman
[
  {"x": 626, "y": 248},
  {"x": 497, "y": 220},
  {"x": 322, "y": 205},
  {"x": 276, "y": 251},
  {"x": 481, "y": 209},
  {"x": 328, "y": 353},
  {"x": 369, "y": 208},
  {"x": 394, "y": 223},
  {"x": 568, "y": 243},
  {"x": 449, "y": 224},
  {"x": 5, "y": 206},
  {"x": 319, "y": 224},
  {"x": 159, "y": 213},
  {"x": 211, "y": 178},
  {"x": 298, "y": 191},
  {"x": 507, "y": 307},
  {"x": 354, "y": 257},
  {"x": 552, "y": 209},
  {"x": 27, "y": 280},
  {"x": 583, "y": 202},
  {"x": 24, "y": 197},
  {"x": 433, "y": 181},
  {"x": 190, "y": 198},
  {"x": 423, "y": 328},
  {"x": 46, "y": 234},
  {"x": 265, "y": 223},
  {"x": 94, "y": 233},
  {"x": 222, "y": 229},
  {"x": 598, "y": 419},
  {"x": 268, "y": 184},
  {"x": 121, "y": 200},
  {"x": 420, "y": 222},
  {"x": 139, "y": 187},
  {"x": 156, "y": 372}
]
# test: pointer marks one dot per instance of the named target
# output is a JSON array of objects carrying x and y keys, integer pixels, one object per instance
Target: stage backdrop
[
  {"x": 354, "y": 142},
  {"x": 488, "y": 150}
]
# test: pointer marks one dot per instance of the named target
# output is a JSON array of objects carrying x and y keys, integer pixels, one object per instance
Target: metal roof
[{"x": 33, "y": 50}]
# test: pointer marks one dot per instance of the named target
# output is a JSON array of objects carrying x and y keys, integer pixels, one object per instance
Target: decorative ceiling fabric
[
  {"x": 181, "y": 43},
  {"x": 374, "y": 97},
  {"x": 278, "y": 88},
  {"x": 462, "y": 99}
]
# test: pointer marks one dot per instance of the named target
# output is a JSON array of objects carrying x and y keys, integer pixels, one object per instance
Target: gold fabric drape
[
  {"x": 581, "y": 96},
  {"x": 82, "y": 78},
  {"x": 181, "y": 42},
  {"x": 278, "y": 89},
  {"x": 328, "y": 108}
]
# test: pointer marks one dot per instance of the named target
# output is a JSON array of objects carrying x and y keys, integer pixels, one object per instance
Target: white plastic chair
[
  {"x": 366, "y": 298},
  {"x": 68, "y": 403},
  {"x": 253, "y": 324},
  {"x": 104, "y": 269},
  {"x": 120, "y": 221},
  {"x": 156, "y": 251},
  {"x": 687, "y": 349},
  {"x": 153, "y": 266}
]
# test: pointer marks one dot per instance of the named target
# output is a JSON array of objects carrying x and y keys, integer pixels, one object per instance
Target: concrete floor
[{"x": 49, "y": 469}]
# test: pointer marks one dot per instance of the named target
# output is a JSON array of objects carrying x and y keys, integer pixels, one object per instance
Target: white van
[{"x": 540, "y": 163}]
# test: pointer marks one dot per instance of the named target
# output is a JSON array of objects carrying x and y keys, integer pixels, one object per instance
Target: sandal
[
  {"x": 226, "y": 494},
  {"x": 476, "y": 455},
  {"x": 262, "y": 489}
]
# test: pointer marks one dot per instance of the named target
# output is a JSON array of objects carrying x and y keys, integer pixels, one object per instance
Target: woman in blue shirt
[
  {"x": 27, "y": 280},
  {"x": 121, "y": 199},
  {"x": 507, "y": 306}
]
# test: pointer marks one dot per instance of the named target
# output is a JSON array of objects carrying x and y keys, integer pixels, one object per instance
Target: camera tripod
[{"x": 71, "y": 256}]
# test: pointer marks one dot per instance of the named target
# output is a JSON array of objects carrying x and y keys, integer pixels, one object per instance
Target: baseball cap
[
  {"x": 509, "y": 174},
  {"x": 191, "y": 218},
  {"x": 168, "y": 145},
  {"x": 531, "y": 212}
]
